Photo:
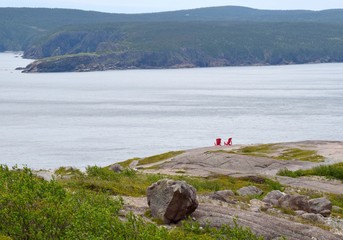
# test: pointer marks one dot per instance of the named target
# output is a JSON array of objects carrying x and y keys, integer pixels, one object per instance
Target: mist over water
[{"x": 77, "y": 119}]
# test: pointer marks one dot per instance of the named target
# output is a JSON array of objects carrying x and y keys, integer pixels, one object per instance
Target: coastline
[{"x": 226, "y": 160}]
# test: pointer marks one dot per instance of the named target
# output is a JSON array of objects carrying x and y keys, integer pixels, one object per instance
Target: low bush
[{"x": 330, "y": 171}]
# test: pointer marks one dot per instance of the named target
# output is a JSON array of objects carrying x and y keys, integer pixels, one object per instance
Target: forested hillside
[{"x": 74, "y": 40}]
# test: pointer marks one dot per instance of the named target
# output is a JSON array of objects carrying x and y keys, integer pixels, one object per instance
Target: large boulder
[
  {"x": 320, "y": 205},
  {"x": 171, "y": 201},
  {"x": 248, "y": 191}
]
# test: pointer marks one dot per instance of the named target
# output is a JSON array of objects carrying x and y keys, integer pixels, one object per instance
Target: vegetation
[
  {"x": 300, "y": 154},
  {"x": 151, "y": 159},
  {"x": 128, "y": 162},
  {"x": 195, "y": 38},
  {"x": 31, "y": 208},
  {"x": 330, "y": 171},
  {"x": 160, "y": 157},
  {"x": 65, "y": 171},
  {"x": 262, "y": 150},
  {"x": 280, "y": 153},
  {"x": 103, "y": 180}
]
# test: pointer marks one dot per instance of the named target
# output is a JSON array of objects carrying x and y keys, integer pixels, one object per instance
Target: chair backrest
[{"x": 218, "y": 142}]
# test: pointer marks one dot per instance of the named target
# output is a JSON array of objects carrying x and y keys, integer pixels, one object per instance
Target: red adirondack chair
[
  {"x": 218, "y": 142},
  {"x": 229, "y": 142}
]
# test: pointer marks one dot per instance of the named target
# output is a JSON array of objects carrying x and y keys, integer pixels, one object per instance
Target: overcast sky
[{"x": 139, "y": 6}]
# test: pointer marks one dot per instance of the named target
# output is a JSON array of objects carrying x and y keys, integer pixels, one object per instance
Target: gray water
[{"x": 98, "y": 118}]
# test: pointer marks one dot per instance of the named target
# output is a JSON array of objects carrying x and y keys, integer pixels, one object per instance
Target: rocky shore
[
  {"x": 263, "y": 218},
  {"x": 302, "y": 210}
]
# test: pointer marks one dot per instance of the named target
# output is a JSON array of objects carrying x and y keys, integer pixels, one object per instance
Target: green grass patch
[
  {"x": 336, "y": 199},
  {"x": 334, "y": 171},
  {"x": 262, "y": 150},
  {"x": 151, "y": 159},
  {"x": 158, "y": 158},
  {"x": 65, "y": 171},
  {"x": 5, "y": 238},
  {"x": 128, "y": 162},
  {"x": 279, "y": 152},
  {"x": 288, "y": 173},
  {"x": 300, "y": 154}
]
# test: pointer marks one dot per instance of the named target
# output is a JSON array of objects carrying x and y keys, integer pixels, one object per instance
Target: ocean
[{"x": 49, "y": 120}]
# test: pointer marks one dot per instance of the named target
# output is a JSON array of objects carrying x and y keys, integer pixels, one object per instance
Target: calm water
[{"x": 97, "y": 118}]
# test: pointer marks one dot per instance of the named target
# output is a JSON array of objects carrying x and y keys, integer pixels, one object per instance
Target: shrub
[
  {"x": 31, "y": 208},
  {"x": 329, "y": 171}
]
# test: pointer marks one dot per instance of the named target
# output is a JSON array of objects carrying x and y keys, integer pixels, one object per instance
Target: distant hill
[{"x": 75, "y": 40}]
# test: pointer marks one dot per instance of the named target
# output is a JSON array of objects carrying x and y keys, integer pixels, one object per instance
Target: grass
[
  {"x": 336, "y": 199},
  {"x": 258, "y": 150},
  {"x": 279, "y": 152},
  {"x": 300, "y": 154},
  {"x": 151, "y": 159},
  {"x": 128, "y": 162},
  {"x": 158, "y": 158},
  {"x": 334, "y": 171},
  {"x": 5, "y": 238},
  {"x": 106, "y": 181},
  {"x": 63, "y": 171}
]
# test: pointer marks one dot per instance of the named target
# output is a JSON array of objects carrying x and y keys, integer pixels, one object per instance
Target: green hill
[{"x": 75, "y": 40}]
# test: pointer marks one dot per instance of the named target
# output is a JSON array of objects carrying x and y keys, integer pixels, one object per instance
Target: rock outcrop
[
  {"x": 273, "y": 197},
  {"x": 299, "y": 202},
  {"x": 171, "y": 201},
  {"x": 248, "y": 191},
  {"x": 223, "y": 195},
  {"x": 268, "y": 226},
  {"x": 320, "y": 205},
  {"x": 116, "y": 168}
]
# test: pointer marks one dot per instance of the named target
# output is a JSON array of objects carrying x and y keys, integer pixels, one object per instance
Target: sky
[{"x": 144, "y": 6}]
